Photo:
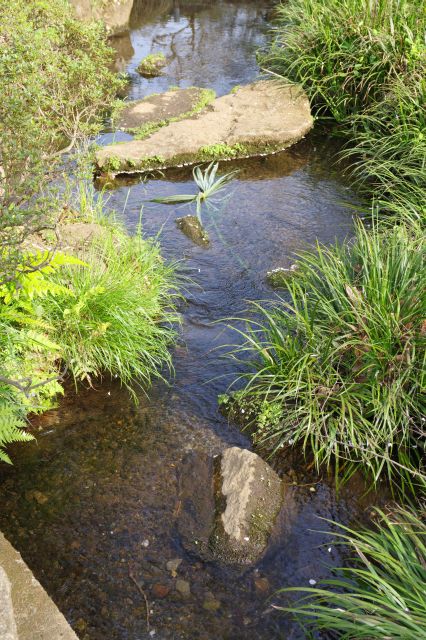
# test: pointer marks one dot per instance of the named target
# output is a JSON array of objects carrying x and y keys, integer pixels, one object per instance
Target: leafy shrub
[
  {"x": 56, "y": 89},
  {"x": 344, "y": 363},
  {"x": 111, "y": 313},
  {"x": 29, "y": 366},
  {"x": 381, "y": 595}
]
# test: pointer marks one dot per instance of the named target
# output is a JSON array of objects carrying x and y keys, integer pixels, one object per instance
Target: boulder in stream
[
  {"x": 229, "y": 505},
  {"x": 193, "y": 229},
  {"x": 151, "y": 65}
]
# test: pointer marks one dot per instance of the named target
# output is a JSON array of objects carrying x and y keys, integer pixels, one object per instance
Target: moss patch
[
  {"x": 219, "y": 152},
  {"x": 280, "y": 278},
  {"x": 223, "y": 151}
]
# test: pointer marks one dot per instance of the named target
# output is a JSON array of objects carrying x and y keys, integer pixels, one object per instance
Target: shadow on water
[{"x": 95, "y": 498}]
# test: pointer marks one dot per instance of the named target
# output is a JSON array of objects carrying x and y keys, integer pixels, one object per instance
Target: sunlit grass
[
  {"x": 363, "y": 65},
  {"x": 340, "y": 369},
  {"x": 380, "y": 594},
  {"x": 119, "y": 319}
]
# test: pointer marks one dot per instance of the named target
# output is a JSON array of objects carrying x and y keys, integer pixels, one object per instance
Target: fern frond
[{"x": 11, "y": 430}]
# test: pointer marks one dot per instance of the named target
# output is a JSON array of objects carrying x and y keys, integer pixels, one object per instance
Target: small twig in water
[{"x": 142, "y": 592}]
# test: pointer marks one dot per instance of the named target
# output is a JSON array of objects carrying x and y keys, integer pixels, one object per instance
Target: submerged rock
[
  {"x": 183, "y": 587},
  {"x": 280, "y": 277},
  {"x": 211, "y": 603},
  {"x": 232, "y": 512},
  {"x": 256, "y": 119},
  {"x": 173, "y": 565},
  {"x": 160, "y": 590},
  {"x": 193, "y": 229}
]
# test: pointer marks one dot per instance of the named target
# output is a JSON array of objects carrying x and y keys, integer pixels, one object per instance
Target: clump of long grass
[
  {"x": 363, "y": 64},
  {"x": 382, "y": 593},
  {"x": 340, "y": 369},
  {"x": 346, "y": 52},
  {"x": 389, "y": 157},
  {"x": 119, "y": 317}
]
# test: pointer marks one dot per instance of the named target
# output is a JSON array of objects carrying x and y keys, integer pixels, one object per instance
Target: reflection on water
[
  {"x": 207, "y": 44},
  {"x": 114, "y": 14},
  {"x": 106, "y": 469}
]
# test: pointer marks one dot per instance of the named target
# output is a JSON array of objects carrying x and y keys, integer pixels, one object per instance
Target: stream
[{"x": 92, "y": 504}]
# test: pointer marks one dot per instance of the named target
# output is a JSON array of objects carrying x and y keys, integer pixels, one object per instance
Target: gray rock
[
  {"x": 36, "y": 615},
  {"x": 174, "y": 564},
  {"x": 183, "y": 587},
  {"x": 253, "y": 495},
  {"x": 232, "y": 512},
  {"x": 7, "y": 619},
  {"x": 193, "y": 229}
]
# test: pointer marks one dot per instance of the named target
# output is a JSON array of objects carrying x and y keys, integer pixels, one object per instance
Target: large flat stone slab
[
  {"x": 35, "y": 614},
  {"x": 257, "y": 119},
  {"x": 144, "y": 117},
  {"x": 7, "y": 617}
]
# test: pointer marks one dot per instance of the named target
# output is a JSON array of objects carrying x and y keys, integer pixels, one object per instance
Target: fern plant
[
  {"x": 28, "y": 369},
  {"x": 11, "y": 428}
]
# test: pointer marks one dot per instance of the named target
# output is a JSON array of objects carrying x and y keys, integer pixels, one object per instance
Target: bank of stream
[{"x": 92, "y": 505}]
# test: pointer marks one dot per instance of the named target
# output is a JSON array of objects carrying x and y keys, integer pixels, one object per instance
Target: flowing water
[{"x": 92, "y": 504}]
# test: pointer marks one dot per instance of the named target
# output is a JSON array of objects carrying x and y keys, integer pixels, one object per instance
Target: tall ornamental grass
[
  {"x": 347, "y": 52},
  {"x": 381, "y": 596},
  {"x": 119, "y": 317},
  {"x": 389, "y": 155},
  {"x": 363, "y": 64},
  {"x": 340, "y": 369}
]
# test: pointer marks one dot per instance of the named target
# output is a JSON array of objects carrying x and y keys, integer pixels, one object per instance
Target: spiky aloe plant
[{"x": 208, "y": 188}]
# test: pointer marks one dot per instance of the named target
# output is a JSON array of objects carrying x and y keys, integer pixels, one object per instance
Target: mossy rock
[
  {"x": 233, "y": 512},
  {"x": 152, "y": 65},
  {"x": 193, "y": 229},
  {"x": 144, "y": 117},
  {"x": 280, "y": 278}
]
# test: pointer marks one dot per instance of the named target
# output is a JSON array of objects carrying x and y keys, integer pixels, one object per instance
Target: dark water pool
[{"x": 92, "y": 505}]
